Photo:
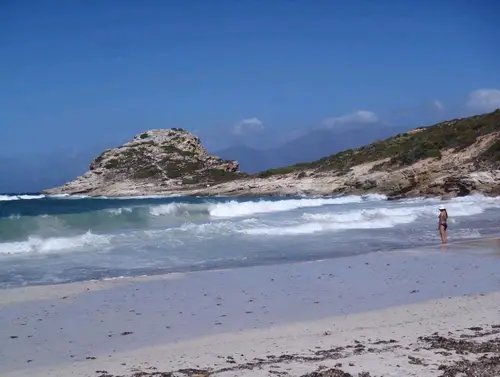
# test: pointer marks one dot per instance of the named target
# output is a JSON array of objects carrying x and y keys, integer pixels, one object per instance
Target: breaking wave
[
  {"x": 9, "y": 197},
  {"x": 178, "y": 223},
  {"x": 46, "y": 239},
  {"x": 62, "y": 224},
  {"x": 72, "y": 223},
  {"x": 53, "y": 244},
  {"x": 378, "y": 218},
  {"x": 248, "y": 208},
  {"x": 5, "y": 198}
]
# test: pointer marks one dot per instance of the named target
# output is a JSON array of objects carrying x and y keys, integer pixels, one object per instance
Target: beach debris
[
  {"x": 328, "y": 373},
  {"x": 461, "y": 346},
  {"x": 416, "y": 360},
  {"x": 475, "y": 328},
  {"x": 485, "y": 366},
  {"x": 384, "y": 342},
  {"x": 193, "y": 372},
  {"x": 483, "y": 362}
]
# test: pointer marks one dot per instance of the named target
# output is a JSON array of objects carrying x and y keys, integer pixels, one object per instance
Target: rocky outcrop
[
  {"x": 152, "y": 162},
  {"x": 453, "y": 158}
]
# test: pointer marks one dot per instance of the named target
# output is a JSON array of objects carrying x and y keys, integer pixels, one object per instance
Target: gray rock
[{"x": 153, "y": 161}]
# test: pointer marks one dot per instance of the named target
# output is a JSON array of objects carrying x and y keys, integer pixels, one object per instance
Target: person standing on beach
[{"x": 443, "y": 224}]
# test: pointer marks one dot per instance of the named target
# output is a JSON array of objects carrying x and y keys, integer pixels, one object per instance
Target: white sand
[
  {"x": 69, "y": 290},
  {"x": 201, "y": 319},
  {"x": 403, "y": 324}
]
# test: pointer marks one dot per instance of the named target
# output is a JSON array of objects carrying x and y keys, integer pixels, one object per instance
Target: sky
[{"x": 77, "y": 75}]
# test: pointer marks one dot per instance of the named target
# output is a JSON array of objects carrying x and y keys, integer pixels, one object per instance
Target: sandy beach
[{"x": 421, "y": 312}]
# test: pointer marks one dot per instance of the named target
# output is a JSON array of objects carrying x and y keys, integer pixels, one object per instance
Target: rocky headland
[
  {"x": 452, "y": 158},
  {"x": 154, "y": 162}
]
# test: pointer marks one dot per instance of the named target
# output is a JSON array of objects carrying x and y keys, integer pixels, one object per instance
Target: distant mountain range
[{"x": 312, "y": 146}]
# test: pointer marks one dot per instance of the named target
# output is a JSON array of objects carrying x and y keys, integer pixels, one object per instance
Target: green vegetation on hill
[
  {"x": 408, "y": 148},
  {"x": 284, "y": 170},
  {"x": 138, "y": 162}
]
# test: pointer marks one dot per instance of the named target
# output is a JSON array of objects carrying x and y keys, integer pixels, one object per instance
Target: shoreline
[
  {"x": 10, "y": 295},
  {"x": 204, "y": 192},
  {"x": 75, "y": 331}
]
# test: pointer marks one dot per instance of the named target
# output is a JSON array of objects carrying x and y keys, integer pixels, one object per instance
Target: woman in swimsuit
[{"x": 443, "y": 224}]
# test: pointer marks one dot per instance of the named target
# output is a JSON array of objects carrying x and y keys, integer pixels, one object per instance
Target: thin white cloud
[
  {"x": 438, "y": 105},
  {"x": 484, "y": 100},
  {"x": 360, "y": 116},
  {"x": 247, "y": 124}
]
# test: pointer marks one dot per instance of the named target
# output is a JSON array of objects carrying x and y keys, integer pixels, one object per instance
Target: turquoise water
[{"x": 61, "y": 239}]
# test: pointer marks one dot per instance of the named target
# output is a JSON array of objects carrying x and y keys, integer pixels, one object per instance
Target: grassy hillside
[{"x": 407, "y": 148}]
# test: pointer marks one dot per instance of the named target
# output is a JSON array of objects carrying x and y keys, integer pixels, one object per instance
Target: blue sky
[{"x": 75, "y": 74}]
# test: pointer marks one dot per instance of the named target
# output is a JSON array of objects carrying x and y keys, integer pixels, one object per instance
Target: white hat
[{"x": 441, "y": 207}]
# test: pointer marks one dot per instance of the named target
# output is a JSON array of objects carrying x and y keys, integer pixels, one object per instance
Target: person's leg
[
  {"x": 445, "y": 233},
  {"x": 442, "y": 233}
]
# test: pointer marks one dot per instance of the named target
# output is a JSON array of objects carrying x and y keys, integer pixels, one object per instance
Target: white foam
[
  {"x": 178, "y": 209},
  {"x": 54, "y": 244},
  {"x": 164, "y": 209},
  {"x": 213, "y": 228},
  {"x": 118, "y": 211},
  {"x": 5, "y": 198},
  {"x": 240, "y": 209},
  {"x": 67, "y": 196},
  {"x": 374, "y": 197},
  {"x": 231, "y": 218},
  {"x": 30, "y": 197},
  {"x": 315, "y": 227},
  {"x": 58, "y": 196},
  {"x": 237, "y": 209},
  {"x": 322, "y": 222},
  {"x": 377, "y": 218},
  {"x": 402, "y": 214}
]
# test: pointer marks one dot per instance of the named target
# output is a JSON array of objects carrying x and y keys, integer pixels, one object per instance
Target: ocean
[{"x": 47, "y": 240}]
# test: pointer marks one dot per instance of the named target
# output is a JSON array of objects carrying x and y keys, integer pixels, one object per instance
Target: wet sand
[{"x": 289, "y": 319}]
